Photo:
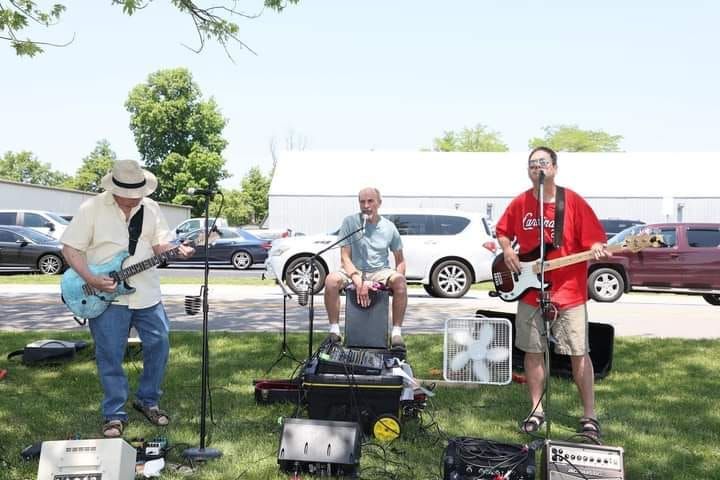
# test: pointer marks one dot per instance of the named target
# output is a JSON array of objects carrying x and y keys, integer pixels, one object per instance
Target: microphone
[
  {"x": 365, "y": 217},
  {"x": 200, "y": 191},
  {"x": 542, "y": 176},
  {"x": 303, "y": 294}
]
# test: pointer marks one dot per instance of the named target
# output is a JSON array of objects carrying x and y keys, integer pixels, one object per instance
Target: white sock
[
  {"x": 396, "y": 331},
  {"x": 335, "y": 328}
]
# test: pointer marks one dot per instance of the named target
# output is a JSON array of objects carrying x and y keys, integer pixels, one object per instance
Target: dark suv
[{"x": 688, "y": 263}]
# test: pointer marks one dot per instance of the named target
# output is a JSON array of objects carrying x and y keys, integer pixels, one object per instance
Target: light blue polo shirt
[{"x": 370, "y": 251}]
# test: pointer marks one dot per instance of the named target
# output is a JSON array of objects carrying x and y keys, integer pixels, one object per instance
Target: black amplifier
[
  {"x": 570, "y": 461},
  {"x": 467, "y": 458}
]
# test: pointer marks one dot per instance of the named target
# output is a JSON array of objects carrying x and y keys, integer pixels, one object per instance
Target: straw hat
[{"x": 128, "y": 180}]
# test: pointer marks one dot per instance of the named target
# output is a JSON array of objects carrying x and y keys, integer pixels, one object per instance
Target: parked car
[
  {"x": 273, "y": 234},
  {"x": 613, "y": 226},
  {"x": 192, "y": 224},
  {"x": 49, "y": 223},
  {"x": 445, "y": 250},
  {"x": 235, "y": 247},
  {"x": 23, "y": 248},
  {"x": 688, "y": 263}
]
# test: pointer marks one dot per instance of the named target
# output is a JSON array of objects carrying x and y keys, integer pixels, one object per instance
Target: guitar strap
[
  {"x": 559, "y": 216},
  {"x": 135, "y": 229}
]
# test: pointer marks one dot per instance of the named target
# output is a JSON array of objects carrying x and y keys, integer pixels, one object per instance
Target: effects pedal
[{"x": 570, "y": 461}]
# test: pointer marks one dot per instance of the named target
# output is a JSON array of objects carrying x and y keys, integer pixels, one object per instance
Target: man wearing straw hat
[{"x": 100, "y": 230}]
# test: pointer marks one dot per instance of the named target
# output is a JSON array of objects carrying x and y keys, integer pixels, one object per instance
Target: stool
[{"x": 367, "y": 327}]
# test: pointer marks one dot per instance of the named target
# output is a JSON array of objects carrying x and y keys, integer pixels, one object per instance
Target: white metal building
[
  {"x": 66, "y": 201},
  {"x": 312, "y": 191}
]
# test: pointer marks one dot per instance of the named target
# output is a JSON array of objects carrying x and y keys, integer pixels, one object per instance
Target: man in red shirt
[{"x": 568, "y": 291}]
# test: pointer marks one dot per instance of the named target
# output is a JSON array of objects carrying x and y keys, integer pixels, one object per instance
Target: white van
[
  {"x": 45, "y": 222},
  {"x": 192, "y": 224}
]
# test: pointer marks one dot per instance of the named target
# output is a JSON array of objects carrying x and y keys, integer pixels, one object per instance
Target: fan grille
[{"x": 474, "y": 350}]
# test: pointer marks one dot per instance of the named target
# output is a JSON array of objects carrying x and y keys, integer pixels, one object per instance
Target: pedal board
[
  {"x": 467, "y": 458},
  {"x": 570, "y": 461}
]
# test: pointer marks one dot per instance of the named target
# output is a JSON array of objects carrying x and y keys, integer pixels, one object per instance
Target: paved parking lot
[{"x": 248, "y": 308}]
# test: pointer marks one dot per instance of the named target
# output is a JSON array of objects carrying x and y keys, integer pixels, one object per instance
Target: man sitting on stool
[{"x": 364, "y": 261}]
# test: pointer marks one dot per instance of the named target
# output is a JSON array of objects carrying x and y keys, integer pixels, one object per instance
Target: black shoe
[
  {"x": 397, "y": 342},
  {"x": 334, "y": 338}
]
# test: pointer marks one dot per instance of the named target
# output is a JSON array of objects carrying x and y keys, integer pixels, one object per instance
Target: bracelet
[{"x": 353, "y": 273}]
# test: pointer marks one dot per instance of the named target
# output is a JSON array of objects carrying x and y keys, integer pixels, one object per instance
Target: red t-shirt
[{"x": 581, "y": 230}]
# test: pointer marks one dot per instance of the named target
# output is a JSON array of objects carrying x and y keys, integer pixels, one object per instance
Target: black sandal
[
  {"x": 533, "y": 423},
  {"x": 154, "y": 414},
  {"x": 590, "y": 428}
]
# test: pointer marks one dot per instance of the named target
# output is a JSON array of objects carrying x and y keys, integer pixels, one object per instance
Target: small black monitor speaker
[{"x": 319, "y": 446}]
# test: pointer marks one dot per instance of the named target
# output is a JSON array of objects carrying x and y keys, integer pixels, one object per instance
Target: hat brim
[{"x": 150, "y": 185}]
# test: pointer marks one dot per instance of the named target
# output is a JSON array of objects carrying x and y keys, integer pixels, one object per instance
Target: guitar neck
[
  {"x": 151, "y": 262},
  {"x": 574, "y": 258}
]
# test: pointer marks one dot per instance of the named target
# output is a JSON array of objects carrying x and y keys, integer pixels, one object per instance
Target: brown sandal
[
  {"x": 533, "y": 423},
  {"x": 154, "y": 414},
  {"x": 113, "y": 428},
  {"x": 590, "y": 427}
]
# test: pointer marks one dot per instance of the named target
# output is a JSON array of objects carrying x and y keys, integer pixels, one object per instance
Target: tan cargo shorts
[
  {"x": 570, "y": 328},
  {"x": 380, "y": 276}
]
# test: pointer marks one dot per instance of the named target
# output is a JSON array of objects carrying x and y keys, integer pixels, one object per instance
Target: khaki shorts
[
  {"x": 381, "y": 276},
  {"x": 570, "y": 329}
]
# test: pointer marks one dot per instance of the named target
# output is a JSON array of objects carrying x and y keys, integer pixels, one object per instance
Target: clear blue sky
[{"x": 360, "y": 75}]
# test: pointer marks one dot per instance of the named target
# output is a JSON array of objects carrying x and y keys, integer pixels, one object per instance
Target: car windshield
[
  {"x": 620, "y": 237},
  {"x": 57, "y": 218},
  {"x": 37, "y": 237}
]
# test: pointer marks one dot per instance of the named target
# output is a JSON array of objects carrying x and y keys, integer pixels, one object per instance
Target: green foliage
[
  {"x": 93, "y": 168},
  {"x": 660, "y": 403},
  {"x": 234, "y": 208},
  {"x": 254, "y": 194},
  {"x": 178, "y": 134},
  {"x": 478, "y": 139},
  {"x": 249, "y": 205},
  {"x": 26, "y": 168},
  {"x": 571, "y": 138},
  {"x": 212, "y": 20}
]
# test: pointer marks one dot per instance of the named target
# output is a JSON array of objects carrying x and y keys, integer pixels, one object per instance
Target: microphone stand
[
  {"x": 311, "y": 308},
  {"x": 284, "y": 348},
  {"x": 203, "y": 453},
  {"x": 544, "y": 301}
]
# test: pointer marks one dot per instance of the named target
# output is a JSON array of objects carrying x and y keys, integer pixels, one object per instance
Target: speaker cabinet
[
  {"x": 367, "y": 327},
  {"x": 96, "y": 459},
  {"x": 601, "y": 338},
  {"x": 570, "y": 461},
  {"x": 321, "y": 447}
]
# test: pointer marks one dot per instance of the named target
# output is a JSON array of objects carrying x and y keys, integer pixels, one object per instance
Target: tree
[
  {"x": 234, "y": 209},
  {"x": 571, "y": 138},
  {"x": 178, "y": 134},
  {"x": 212, "y": 22},
  {"x": 26, "y": 168},
  {"x": 478, "y": 139},
  {"x": 94, "y": 168},
  {"x": 254, "y": 194}
]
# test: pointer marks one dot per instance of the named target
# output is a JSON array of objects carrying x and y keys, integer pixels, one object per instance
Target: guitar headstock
[
  {"x": 637, "y": 242},
  {"x": 200, "y": 240}
]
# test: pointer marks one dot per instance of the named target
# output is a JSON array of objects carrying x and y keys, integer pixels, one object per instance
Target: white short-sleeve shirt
[{"x": 100, "y": 230}]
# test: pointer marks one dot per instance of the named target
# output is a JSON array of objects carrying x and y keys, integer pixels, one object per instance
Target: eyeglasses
[{"x": 539, "y": 163}]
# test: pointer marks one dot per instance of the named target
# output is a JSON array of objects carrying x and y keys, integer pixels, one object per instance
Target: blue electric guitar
[{"x": 87, "y": 302}]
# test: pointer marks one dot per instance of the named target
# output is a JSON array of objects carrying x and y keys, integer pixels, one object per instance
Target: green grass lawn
[{"x": 660, "y": 403}]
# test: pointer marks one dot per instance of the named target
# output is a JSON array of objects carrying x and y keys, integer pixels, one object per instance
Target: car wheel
[
  {"x": 297, "y": 275},
  {"x": 429, "y": 290},
  {"x": 241, "y": 260},
  {"x": 712, "y": 299},
  {"x": 50, "y": 264},
  {"x": 450, "y": 279},
  {"x": 605, "y": 285}
]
